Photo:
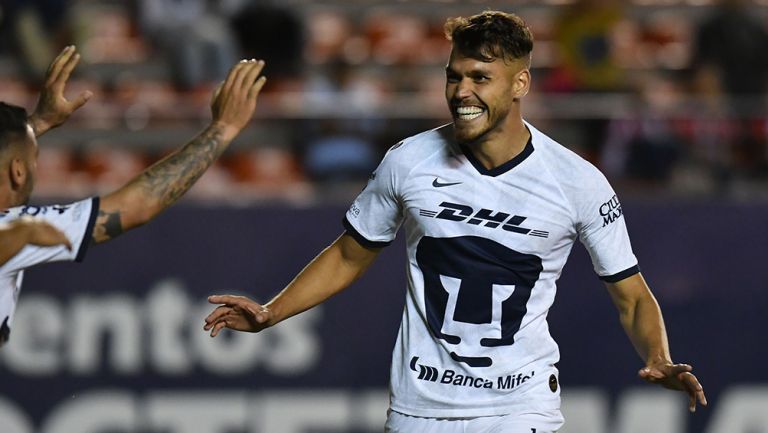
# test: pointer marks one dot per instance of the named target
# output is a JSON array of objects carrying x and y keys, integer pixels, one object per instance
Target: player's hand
[
  {"x": 238, "y": 313},
  {"x": 677, "y": 377},
  {"x": 53, "y": 108},
  {"x": 41, "y": 233},
  {"x": 234, "y": 101}
]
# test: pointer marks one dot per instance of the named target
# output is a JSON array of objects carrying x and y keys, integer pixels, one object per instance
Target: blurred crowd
[{"x": 666, "y": 97}]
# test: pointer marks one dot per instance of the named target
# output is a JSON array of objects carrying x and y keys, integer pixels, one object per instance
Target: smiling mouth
[{"x": 467, "y": 113}]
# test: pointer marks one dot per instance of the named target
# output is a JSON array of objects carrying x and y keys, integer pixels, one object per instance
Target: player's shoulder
[
  {"x": 568, "y": 167},
  {"x": 48, "y": 211},
  {"x": 419, "y": 147}
]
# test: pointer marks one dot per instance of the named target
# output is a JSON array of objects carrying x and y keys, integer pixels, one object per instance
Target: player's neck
[
  {"x": 8, "y": 198},
  {"x": 501, "y": 145}
]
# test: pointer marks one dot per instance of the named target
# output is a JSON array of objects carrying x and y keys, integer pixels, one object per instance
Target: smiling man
[{"x": 491, "y": 208}]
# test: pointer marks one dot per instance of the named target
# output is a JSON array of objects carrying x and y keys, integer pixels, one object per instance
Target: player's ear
[
  {"x": 521, "y": 84},
  {"x": 18, "y": 172}
]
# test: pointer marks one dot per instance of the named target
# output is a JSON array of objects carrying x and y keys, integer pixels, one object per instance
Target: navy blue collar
[{"x": 503, "y": 168}]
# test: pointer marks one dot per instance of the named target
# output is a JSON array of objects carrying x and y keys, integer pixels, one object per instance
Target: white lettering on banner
[
  {"x": 37, "y": 338},
  {"x": 167, "y": 315},
  {"x": 93, "y": 318},
  {"x": 202, "y": 412},
  {"x": 210, "y": 412},
  {"x": 53, "y": 336},
  {"x": 644, "y": 410},
  {"x": 739, "y": 410},
  {"x": 94, "y": 412},
  {"x": 585, "y": 410},
  {"x": 13, "y": 419}
]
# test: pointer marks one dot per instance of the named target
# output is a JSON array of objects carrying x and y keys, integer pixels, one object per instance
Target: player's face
[{"x": 480, "y": 95}]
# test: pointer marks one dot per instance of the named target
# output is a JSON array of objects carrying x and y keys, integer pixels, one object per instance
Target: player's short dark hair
[
  {"x": 13, "y": 124},
  {"x": 489, "y": 35}
]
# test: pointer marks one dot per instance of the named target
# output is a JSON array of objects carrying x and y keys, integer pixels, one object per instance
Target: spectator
[{"x": 193, "y": 36}]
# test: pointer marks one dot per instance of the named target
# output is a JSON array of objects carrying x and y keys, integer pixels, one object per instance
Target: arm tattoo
[
  {"x": 108, "y": 226},
  {"x": 170, "y": 178}
]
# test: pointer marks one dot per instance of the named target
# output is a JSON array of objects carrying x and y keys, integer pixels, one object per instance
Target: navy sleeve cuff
[
  {"x": 615, "y": 278},
  {"x": 360, "y": 238},
  {"x": 88, "y": 235}
]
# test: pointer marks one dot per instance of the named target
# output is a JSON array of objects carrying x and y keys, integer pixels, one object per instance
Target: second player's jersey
[
  {"x": 485, "y": 248},
  {"x": 74, "y": 220}
]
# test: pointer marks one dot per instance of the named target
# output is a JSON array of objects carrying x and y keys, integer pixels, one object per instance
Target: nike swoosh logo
[{"x": 437, "y": 184}]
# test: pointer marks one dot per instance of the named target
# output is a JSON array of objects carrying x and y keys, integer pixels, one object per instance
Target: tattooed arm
[{"x": 160, "y": 185}]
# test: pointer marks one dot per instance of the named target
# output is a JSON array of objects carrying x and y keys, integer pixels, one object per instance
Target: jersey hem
[
  {"x": 615, "y": 278},
  {"x": 88, "y": 230},
  {"x": 476, "y": 412},
  {"x": 362, "y": 240}
]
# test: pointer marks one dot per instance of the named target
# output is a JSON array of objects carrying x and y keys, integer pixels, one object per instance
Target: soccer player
[
  {"x": 97, "y": 220},
  {"x": 491, "y": 208}
]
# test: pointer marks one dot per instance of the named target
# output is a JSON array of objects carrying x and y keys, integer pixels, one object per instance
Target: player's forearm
[
  {"x": 160, "y": 185},
  {"x": 329, "y": 273},
  {"x": 644, "y": 325},
  {"x": 12, "y": 239}
]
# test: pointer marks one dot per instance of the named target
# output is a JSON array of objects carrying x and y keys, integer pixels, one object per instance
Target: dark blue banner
[{"x": 115, "y": 344}]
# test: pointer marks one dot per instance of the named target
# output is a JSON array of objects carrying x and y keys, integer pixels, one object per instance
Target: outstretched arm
[
  {"x": 28, "y": 231},
  {"x": 642, "y": 320},
  {"x": 329, "y": 273},
  {"x": 53, "y": 108},
  {"x": 162, "y": 184}
]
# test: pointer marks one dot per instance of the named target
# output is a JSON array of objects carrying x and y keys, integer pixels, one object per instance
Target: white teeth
[{"x": 468, "y": 113}]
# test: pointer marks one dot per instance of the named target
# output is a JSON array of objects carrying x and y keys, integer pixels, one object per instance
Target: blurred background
[{"x": 666, "y": 97}]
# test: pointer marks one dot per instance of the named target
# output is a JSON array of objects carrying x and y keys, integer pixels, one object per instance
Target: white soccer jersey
[
  {"x": 485, "y": 248},
  {"x": 74, "y": 220}
]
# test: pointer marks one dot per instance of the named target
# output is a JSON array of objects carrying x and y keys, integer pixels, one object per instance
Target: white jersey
[
  {"x": 74, "y": 220},
  {"x": 485, "y": 248}
]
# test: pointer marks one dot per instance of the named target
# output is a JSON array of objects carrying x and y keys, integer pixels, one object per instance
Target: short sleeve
[
  {"x": 603, "y": 231},
  {"x": 75, "y": 220},
  {"x": 376, "y": 214}
]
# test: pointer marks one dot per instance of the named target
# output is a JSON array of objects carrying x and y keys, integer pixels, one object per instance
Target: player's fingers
[
  {"x": 252, "y": 73},
  {"x": 238, "y": 84},
  {"x": 229, "y": 81},
  {"x": 701, "y": 397},
  {"x": 66, "y": 70},
  {"x": 58, "y": 63},
  {"x": 223, "y": 299},
  {"x": 257, "y": 86},
  {"x": 218, "y": 327},
  {"x": 694, "y": 388},
  {"x": 81, "y": 100},
  {"x": 651, "y": 374},
  {"x": 676, "y": 369},
  {"x": 67, "y": 244},
  {"x": 217, "y": 314}
]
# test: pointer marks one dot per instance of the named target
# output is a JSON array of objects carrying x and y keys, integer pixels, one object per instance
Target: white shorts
[{"x": 547, "y": 422}]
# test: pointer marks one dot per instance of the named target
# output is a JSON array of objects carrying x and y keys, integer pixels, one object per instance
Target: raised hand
[
  {"x": 234, "y": 101},
  {"x": 53, "y": 108},
  {"x": 676, "y": 377},
  {"x": 238, "y": 313}
]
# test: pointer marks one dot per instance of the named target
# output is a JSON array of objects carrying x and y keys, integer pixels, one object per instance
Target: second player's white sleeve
[
  {"x": 75, "y": 220},
  {"x": 376, "y": 214},
  {"x": 603, "y": 230}
]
